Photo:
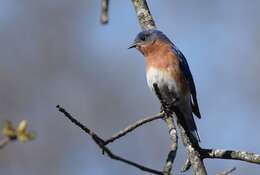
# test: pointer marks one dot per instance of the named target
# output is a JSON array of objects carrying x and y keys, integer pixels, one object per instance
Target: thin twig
[
  {"x": 134, "y": 126},
  {"x": 174, "y": 145},
  {"x": 227, "y": 172},
  {"x": 104, "y": 11},
  {"x": 4, "y": 142},
  {"x": 100, "y": 142}
]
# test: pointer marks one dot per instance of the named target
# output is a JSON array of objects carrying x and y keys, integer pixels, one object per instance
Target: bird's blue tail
[{"x": 188, "y": 123}]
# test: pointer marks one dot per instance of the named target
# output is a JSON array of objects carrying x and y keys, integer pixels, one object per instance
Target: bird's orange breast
[{"x": 162, "y": 63}]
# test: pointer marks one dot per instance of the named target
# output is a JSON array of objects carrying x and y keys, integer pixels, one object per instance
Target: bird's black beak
[{"x": 132, "y": 46}]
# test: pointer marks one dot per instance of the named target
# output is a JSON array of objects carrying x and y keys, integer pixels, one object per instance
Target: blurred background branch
[{"x": 104, "y": 11}]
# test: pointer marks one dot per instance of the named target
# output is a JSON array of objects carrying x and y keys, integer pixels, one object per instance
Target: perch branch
[
  {"x": 193, "y": 154},
  {"x": 146, "y": 22},
  {"x": 104, "y": 11},
  {"x": 174, "y": 145},
  {"x": 172, "y": 131},
  {"x": 101, "y": 143}
]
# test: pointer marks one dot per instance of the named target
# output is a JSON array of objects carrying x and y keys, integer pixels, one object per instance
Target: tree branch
[
  {"x": 134, "y": 126},
  {"x": 104, "y": 11},
  {"x": 143, "y": 14},
  {"x": 186, "y": 166},
  {"x": 101, "y": 143},
  {"x": 230, "y": 154},
  {"x": 174, "y": 145},
  {"x": 227, "y": 172},
  {"x": 193, "y": 154}
]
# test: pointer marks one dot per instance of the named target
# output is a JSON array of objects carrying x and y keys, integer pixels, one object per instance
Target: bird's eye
[{"x": 143, "y": 38}]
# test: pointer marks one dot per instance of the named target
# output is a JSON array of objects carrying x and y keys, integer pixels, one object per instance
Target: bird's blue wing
[{"x": 187, "y": 73}]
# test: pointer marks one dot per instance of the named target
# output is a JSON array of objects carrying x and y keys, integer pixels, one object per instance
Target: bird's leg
[
  {"x": 168, "y": 105},
  {"x": 165, "y": 108}
]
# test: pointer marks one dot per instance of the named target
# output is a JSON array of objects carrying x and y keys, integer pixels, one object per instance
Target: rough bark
[{"x": 144, "y": 16}]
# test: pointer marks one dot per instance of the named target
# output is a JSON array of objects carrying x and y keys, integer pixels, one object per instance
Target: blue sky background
[{"x": 56, "y": 52}]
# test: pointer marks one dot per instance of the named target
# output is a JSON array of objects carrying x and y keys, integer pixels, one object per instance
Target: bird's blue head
[{"x": 147, "y": 37}]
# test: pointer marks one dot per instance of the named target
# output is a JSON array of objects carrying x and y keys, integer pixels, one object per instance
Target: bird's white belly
[{"x": 166, "y": 83}]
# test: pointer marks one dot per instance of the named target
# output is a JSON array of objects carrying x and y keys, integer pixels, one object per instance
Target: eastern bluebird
[{"x": 167, "y": 67}]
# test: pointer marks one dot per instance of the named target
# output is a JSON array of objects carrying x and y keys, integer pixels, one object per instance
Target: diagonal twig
[
  {"x": 100, "y": 142},
  {"x": 134, "y": 126},
  {"x": 227, "y": 172}
]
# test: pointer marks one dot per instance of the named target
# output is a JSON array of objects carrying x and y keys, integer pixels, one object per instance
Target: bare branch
[
  {"x": 231, "y": 154},
  {"x": 174, "y": 145},
  {"x": 193, "y": 153},
  {"x": 101, "y": 143},
  {"x": 186, "y": 166},
  {"x": 134, "y": 126},
  {"x": 104, "y": 11},
  {"x": 172, "y": 131},
  {"x": 143, "y": 14},
  {"x": 227, "y": 172}
]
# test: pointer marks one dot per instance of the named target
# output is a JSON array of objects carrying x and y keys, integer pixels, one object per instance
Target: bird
[{"x": 168, "y": 69}]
